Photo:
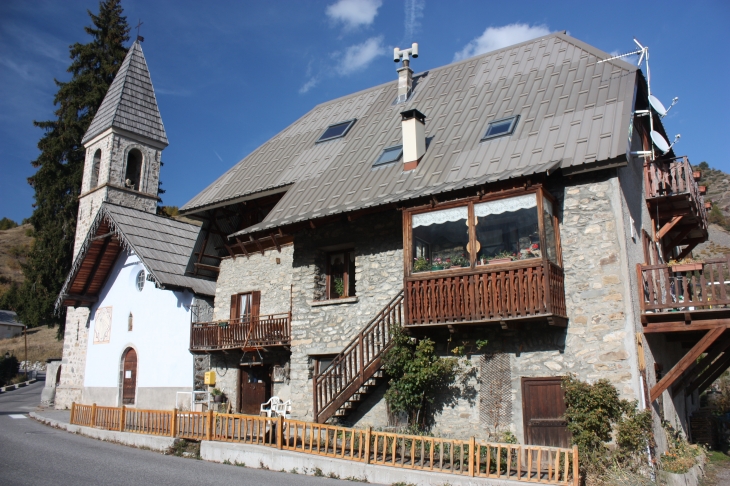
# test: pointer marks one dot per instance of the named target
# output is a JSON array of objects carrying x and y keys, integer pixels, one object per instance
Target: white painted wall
[{"x": 160, "y": 334}]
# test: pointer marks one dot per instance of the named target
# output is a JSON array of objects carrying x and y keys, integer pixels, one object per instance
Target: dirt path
[{"x": 718, "y": 470}]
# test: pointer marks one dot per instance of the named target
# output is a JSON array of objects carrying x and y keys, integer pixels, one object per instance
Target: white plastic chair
[
  {"x": 269, "y": 407},
  {"x": 282, "y": 409}
]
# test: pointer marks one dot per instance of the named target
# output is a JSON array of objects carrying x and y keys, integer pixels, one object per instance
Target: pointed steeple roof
[{"x": 130, "y": 103}]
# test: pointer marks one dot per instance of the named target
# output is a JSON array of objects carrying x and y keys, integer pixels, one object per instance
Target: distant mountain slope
[
  {"x": 718, "y": 192},
  {"x": 14, "y": 246}
]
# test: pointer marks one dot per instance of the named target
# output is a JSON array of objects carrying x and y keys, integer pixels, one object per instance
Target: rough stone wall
[
  {"x": 73, "y": 362},
  {"x": 377, "y": 241},
  {"x": 203, "y": 309},
  {"x": 150, "y": 164}
]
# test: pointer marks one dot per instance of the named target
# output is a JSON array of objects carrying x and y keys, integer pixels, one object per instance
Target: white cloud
[
  {"x": 497, "y": 37},
  {"x": 311, "y": 83},
  {"x": 414, "y": 11},
  {"x": 357, "y": 57},
  {"x": 354, "y": 13}
]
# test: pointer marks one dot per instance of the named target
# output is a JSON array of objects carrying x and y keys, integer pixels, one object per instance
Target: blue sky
[{"x": 230, "y": 75}]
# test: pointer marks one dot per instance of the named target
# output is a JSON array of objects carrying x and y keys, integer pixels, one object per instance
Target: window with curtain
[
  {"x": 440, "y": 239},
  {"x": 507, "y": 229}
]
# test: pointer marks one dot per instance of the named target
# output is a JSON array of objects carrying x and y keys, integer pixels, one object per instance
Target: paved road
[{"x": 35, "y": 454}]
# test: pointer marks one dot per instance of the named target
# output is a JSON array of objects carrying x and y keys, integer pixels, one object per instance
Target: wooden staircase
[{"x": 355, "y": 372}]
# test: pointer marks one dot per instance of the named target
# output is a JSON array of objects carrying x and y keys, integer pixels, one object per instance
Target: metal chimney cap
[{"x": 413, "y": 113}]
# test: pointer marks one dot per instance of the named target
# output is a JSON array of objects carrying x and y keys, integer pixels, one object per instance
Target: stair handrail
[{"x": 340, "y": 378}]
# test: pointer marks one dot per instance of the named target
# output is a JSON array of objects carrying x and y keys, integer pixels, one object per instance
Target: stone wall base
[
  {"x": 65, "y": 395},
  {"x": 690, "y": 478}
]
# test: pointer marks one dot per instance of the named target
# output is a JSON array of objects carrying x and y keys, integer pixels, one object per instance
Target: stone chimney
[
  {"x": 405, "y": 73},
  {"x": 414, "y": 138}
]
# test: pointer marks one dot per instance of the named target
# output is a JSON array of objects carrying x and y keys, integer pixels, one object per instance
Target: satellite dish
[
  {"x": 660, "y": 142},
  {"x": 657, "y": 105}
]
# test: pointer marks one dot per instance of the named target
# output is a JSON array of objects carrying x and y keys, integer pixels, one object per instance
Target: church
[{"x": 128, "y": 294}]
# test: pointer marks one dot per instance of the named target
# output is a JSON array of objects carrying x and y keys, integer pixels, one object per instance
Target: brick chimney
[{"x": 414, "y": 138}]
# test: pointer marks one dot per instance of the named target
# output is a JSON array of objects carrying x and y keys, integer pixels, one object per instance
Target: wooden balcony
[
  {"x": 690, "y": 297},
  {"x": 527, "y": 290},
  {"x": 676, "y": 202},
  {"x": 245, "y": 334}
]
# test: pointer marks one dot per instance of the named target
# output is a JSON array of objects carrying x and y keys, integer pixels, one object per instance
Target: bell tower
[{"x": 124, "y": 145}]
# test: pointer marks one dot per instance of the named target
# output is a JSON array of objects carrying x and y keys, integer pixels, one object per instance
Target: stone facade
[{"x": 73, "y": 363}]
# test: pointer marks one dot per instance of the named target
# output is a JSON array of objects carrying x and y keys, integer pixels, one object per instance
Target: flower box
[
  {"x": 500, "y": 260},
  {"x": 687, "y": 267}
]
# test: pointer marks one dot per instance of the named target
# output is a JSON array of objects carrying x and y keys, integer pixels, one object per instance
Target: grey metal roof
[
  {"x": 164, "y": 246},
  {"x": 9, "y": 318},
  {"x": 130, "y": 103},
  {"x": 572, "y": 110}
]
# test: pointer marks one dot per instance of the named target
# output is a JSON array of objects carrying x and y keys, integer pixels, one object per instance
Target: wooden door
[
  {"x": 543, "y": 410},
  {"x": 129, "y": 376},
  {"x": 255, "y": 389}
]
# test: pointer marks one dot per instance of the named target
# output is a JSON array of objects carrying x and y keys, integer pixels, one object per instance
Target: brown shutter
[
  {"x": 235, "y": 300},
  {"x": 255, "y": 303}
]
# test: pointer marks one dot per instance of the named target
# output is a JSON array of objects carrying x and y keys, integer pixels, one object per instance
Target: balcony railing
[
  {"x": 684, "y": 288},
  {"x": 261, "y": 331},
  {"x": 675, "y": 177},
  {"x": 526, "y": 289}
]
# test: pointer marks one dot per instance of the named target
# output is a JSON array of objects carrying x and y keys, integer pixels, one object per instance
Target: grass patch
[
  {"x": 333, "y": 476},
  {"x": 185, "y": 448},
  {"x": 318, "y": 472},
  {"x": 717, "y": 457}
]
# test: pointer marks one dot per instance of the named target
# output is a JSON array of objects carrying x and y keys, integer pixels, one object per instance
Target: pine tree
[{"x": 57, "y": 182}]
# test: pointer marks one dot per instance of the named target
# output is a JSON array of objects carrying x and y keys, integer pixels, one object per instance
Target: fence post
[
  {"x": 279, "y": 432},
  {"x": 123, "y": 419},
  {"x": 472, "y": 443},
  {"x": 173, "y": 425},
  {"x": 367, "y": 445},
  {"x": 576, "y": 470},
  {"x": 209, "y": 432},
  {"x": 73, "y": 411},
  {"x": 93, "y": 414}
]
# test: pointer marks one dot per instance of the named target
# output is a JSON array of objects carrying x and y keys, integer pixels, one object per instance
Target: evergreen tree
[{"x": 57, "y": 182}]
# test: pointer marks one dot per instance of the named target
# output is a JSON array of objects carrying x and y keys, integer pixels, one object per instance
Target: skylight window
[
  {"x": 336, "y": 131},
  {"x": 389, "y": 155},
  {"x": 499, "y": 128}
]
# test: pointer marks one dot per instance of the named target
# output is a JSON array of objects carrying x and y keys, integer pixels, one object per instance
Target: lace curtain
[
  {"x": 505, "y": 205},
  {"x": 547, "y": 206},
  {"x": 440, "y": 217}
]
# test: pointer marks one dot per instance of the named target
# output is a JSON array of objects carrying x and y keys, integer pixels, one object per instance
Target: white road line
[{"x": 17, "y": 416}]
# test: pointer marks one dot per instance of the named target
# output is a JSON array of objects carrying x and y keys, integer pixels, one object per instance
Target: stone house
[
  {"x": 514, "y": 197},
  {"x": 9, "y": 325}
]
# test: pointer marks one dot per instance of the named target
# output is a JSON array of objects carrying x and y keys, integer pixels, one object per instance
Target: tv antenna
[{"x": 659, "y": 141}]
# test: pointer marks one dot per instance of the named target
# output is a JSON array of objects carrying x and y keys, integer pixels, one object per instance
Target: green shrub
[
  {"x": 7, "y": 223},
  {"x": 9, "y": 367}
]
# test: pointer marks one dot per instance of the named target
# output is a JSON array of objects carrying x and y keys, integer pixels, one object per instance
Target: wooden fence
[{"x": 472, "y": 458}]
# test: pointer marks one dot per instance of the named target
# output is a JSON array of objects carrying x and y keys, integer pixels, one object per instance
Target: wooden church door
[
  {"x": 129, "y": 376},
  {"x": 543, "y": 409},
  {"x": 255, "y": 389}
]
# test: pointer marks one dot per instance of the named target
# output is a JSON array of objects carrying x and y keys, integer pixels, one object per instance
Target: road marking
[{"x": 17, "y": 416}]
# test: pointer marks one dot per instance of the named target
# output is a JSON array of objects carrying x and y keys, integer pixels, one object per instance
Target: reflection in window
[
  {"x": 440, "y": 239},
  {"x": 507, "y": 229},
  {"x": 550, "y": 247}
]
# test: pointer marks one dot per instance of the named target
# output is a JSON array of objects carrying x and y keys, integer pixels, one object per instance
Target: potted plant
[
  {"x": 217, "y": 395},
  {"x": 421, "y": 264},
  {"x": 502, "y": 257},
  {"x": 339, "y": 287},
  {"x": 437, "y": 264},
  {"x": 685, "y": 265},
  {"x": 460, "y": 261}
]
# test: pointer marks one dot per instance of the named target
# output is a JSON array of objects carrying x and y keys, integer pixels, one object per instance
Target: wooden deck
[
  {"x": 256, "y": 332},
  {"x": 516, "y": 291}
]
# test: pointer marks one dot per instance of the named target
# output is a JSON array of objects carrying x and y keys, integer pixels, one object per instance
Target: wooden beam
[
  {"x": 719, "y": 367},
  {"x": 654, "y": 327},
  {"x": 205, "y": 255},
  {"x": 101, "y": 237},
  {"x": 678, "y": 369},
  {"x": 668, "y": 227},
  {"x": 276, "y": 243},
  {"x": 682, "y": 235},
  {"x": 210, "y": 268},
  {"x": 243, "y": 247},
  {"x": 81, "y": 298},
  {"x": 698, "y": 368},
  {"x": 95, "y": 268}
]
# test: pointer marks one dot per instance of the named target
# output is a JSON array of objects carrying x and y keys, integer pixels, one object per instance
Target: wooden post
[
  {"x": 173, "y": 424},
  {"x": 472, "y": 444},
  {"x": 360, "y": 351},
  {"x": 123, "y": 419},
  {"x": 315, "y": 408},
  {"x": 209, "y": 432},
  {"x": 279, "y": 432},
  {"x": 576, "y": 473},
  {"x": 73, "y": 411},
  {"x": 93, "y": 414},
  {"x": 367, "y": 445}
]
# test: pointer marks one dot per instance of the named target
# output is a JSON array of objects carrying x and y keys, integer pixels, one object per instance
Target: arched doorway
[
  {"x": 133, "y": 174},
  {"x": 129, "y": 376}
]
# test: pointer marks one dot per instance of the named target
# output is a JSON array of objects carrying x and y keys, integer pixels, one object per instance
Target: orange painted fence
[{"x": 473, "y": 458}]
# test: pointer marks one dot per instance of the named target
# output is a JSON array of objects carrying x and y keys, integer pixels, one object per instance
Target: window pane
[
  {"x": 335, "y": 131},
  {"x": 499, "y": 128},
  {"x": 507, "y": 229},
  {"x": 440, "y": 240},
  {"x": 337, "y": 275},
  {"x": 550, "y": 240},
  {"x": 389, "y": 155},
  {"x": 245, "y": 307}
]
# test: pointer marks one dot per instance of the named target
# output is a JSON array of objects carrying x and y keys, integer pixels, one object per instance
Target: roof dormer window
[
  {"x": 501, "y": 127},
  {"x": 337, "y": 130},
  {"x": 389, "y": 155}
]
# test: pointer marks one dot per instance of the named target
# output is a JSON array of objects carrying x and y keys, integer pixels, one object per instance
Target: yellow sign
[{"x": 210, "y": 377}]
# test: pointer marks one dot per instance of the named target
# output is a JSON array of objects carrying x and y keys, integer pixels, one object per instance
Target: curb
[{"x": 7, "y": 388}]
